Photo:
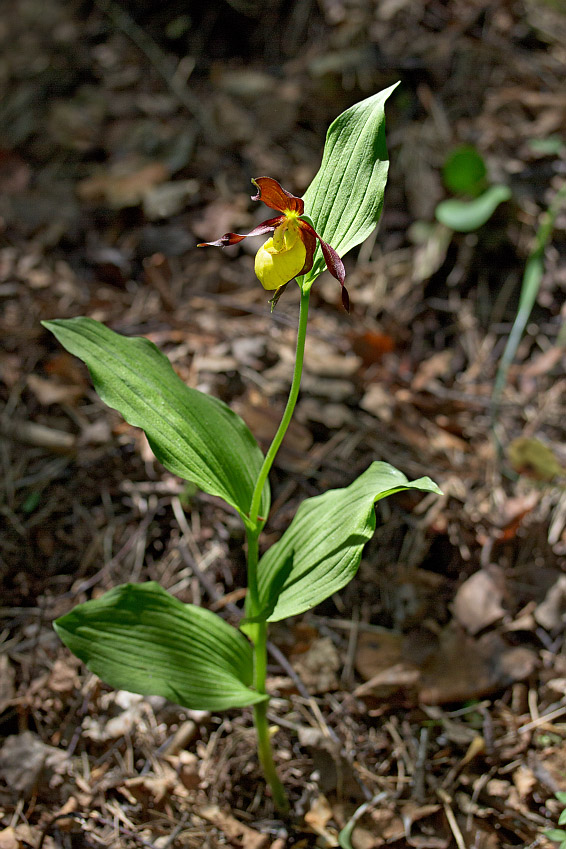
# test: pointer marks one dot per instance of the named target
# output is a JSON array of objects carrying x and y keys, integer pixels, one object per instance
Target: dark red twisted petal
[
  {"x": 308, "y": 239},
  {"x": 276, "y": 197},
  {"x": 233, "y": 238},
  {"x": 332, "y": 260}
]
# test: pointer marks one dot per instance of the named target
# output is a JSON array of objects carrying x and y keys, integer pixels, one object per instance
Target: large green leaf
[
  {"x": 345, "y": 199},
  {"x": 194, "y": 435},
  {"x": 320, "y": 551},
  {"x": 138, "y": 637}
]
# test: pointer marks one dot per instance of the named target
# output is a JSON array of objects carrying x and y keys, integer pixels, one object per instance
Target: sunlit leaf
[
  {"x": 320, "y": 551},
  {"x": 345, "y": 199},
  {"x": 194, "y": 435},
  {"x": 137, "y": 637},
  {"x": 555, "y": 834}
]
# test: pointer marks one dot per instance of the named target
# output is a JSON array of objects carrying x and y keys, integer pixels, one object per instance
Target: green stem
[
  {"x": 252, "y": 560},
  {"x": 253, "y": 531},
  {"x": 266, "y": 757},
  {"x": 289, "y": 409}
]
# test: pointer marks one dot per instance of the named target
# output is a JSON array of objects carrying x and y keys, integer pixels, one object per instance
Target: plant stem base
[{"x": 266, "y": 758}]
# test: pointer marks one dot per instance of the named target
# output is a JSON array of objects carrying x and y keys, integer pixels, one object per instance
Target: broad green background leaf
[
  {"x": 137, "y": 637},
  {"x": 467, "y": 215},
  {"x": 464, "y": 171},
  {"x": 194, "y": 435},
  {"x": 320, "y": 551},
  {"x": 556, "y": 835},
  {"x": 550, "y": 146},
  {"x": 345, "y": 199}
]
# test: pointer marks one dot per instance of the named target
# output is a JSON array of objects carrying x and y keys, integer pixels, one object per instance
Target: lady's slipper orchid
[{"x": 290, "y": 250}]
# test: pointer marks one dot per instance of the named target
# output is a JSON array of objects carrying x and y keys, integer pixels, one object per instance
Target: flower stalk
[{"x": 253, "y": 531}]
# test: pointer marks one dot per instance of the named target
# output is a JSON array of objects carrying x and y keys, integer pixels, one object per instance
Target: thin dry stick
[{"x": 452, "y": 822}]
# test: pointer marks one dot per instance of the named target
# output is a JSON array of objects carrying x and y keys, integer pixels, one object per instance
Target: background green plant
[{"x": 558, "y": 835}]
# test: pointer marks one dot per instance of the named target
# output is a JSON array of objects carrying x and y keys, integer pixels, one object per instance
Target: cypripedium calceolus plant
[
  {"x": 139, "y": 637},
  {"x": 289, "y": 253}
]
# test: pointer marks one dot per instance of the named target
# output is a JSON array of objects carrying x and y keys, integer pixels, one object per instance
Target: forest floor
[{"x": 432, "y": 690}]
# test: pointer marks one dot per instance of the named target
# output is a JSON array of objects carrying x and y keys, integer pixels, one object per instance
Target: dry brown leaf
[
  {"x": 318, "y": 666},
  {"x": 436, "y": 366},
  {"x": 222, "y": 216},
  {"x": 451, "y": 667},
  {"x": 10, "y": 368},
  {"x": 7, "y": 681},
  {"x": 120, "y": 191},
  {"x": 15, "y": 173},
  {"x": 48, "y": 391},
  {"x": 379, "y": 402},
  {"x": 67, "y": 368},
  {"x": 25, "y": 759},
  {"x": 63, "y": 677},
  {"x": 263, "y": 420},
  {"x": 379, "y": 660},
  {"x": 332, "y": 416},
  {"x": 318, "y": 817},
  {"x": 153, "y": 789},
  {"x": 233, "y": 829},
  {"x": 549, "y": 767},
  {"x": 512, "y": 512},
  {"x": 324, "y": 360},
  {"x": 524, "y": 780},
  {"x": 480, "y": 836},
  {"x": 392, "y": 827},
  {"x": 371, "y": 346},
  {"x": 9, "y": 839},
  {"x": 542, "y": 363},
  {"x": 551, "y": 612},
  {"x": 477, "y": 603},
  {"x": 168, "y": 199},
  {"x": 24, "y": 836},
  {"x": 464, "y": 668}
]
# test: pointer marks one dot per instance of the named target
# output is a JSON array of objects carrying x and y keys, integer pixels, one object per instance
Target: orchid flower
[{"x": 290, "y": 251}]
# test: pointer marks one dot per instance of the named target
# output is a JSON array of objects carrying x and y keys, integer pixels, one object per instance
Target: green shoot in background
[
  {"x": 137, "y": 636},
  {"x": 465, "y": 174},
  {"x": 558, "y": 835}
]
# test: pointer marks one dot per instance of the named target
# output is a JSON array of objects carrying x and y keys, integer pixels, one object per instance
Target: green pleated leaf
[
  {"x": 320, "y": 551},
  {"x": 345, "y": 199},
  {"x": 194, "y": 435},
  {"x": 467, "y": 215},
  {"x": 137, "y": 637},
  {"x": 556, "y": 835}
]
